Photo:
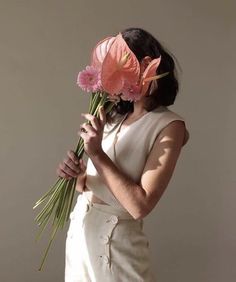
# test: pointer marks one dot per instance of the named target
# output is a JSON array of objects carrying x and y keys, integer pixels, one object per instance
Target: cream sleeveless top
[{"x": 129, "y": 150}]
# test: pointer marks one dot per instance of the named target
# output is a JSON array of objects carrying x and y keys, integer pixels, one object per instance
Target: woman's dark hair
[{"x": 142, "y": 44}]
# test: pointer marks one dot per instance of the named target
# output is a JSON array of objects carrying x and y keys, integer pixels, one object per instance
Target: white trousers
[{"x": 105, "y": 244}]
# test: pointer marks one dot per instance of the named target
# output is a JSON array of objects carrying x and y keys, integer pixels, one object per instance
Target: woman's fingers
[
  {"x": 89, "y": 129},
  {"x": 68, "y": 167},
  {"x": 60, "y": 172},
  {"x": 83, "y": 167},
  {"x": 67, "y": 170},
  {"x": 71, "y": 165},
  {"x": 102, "y": 115},
  {"x": 63, "y": 174},
  {"x": 73, "y": 157},
  {"x": 94, "y": 121}
]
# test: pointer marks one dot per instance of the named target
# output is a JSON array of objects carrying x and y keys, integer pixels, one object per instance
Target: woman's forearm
[{"x": 127, "y": 192}]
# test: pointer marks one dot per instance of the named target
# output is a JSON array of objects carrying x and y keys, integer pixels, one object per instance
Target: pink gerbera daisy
[
  {"x": 89, "y": 79},
  {"x": 130, "y": 92}
]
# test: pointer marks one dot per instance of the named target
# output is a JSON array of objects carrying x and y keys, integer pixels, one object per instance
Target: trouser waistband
[{"x": 106, "y": 208}]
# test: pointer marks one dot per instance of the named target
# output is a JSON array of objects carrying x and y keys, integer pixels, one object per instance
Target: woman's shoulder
[
  {"x": 162, "y": 116},
  {"x": 165, "y": 112}
]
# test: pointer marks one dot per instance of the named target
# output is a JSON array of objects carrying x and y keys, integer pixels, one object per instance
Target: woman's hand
[
  {"x": 73, "y": 167},
  {"x": 93, "y": 134}
]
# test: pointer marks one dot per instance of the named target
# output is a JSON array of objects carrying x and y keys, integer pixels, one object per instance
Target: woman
[{"x": 132, "y": 153}]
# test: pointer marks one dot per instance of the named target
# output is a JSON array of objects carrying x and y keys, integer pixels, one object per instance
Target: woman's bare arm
[{"x": 140, "y": 199}]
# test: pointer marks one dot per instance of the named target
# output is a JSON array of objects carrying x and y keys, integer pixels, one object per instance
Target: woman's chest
[{"x": 128, "y": 149}]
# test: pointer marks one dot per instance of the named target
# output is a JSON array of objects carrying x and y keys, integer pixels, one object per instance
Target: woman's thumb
[
  {"x": 83, "y": 166},
  {"x": 102, "y": 114}
]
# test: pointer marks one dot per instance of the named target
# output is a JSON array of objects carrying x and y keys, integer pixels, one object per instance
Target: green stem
[
  {"x": 50, "y": 242},
  {"x": 50, "y": 201},
  {"x": 42, "y": 199},
  {"x": 62, "y": 192},
  {"x": 57, "y": 213},
  {"x": 72, "y": 192},
  {"x": 61, "y": 201}
]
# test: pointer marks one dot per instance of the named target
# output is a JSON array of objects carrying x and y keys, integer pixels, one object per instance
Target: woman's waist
[
  {"x": 93, "y": 199},
  {"x": 84, "y": 203}
]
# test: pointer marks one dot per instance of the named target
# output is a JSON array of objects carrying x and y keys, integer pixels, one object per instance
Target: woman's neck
[{"x": 138, "y": 109}]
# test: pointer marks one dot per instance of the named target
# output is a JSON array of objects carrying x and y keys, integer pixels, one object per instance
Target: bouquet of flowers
[{"x": 114, "y": 74}]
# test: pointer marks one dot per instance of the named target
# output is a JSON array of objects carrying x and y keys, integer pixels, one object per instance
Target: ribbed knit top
[{"x": 129, "y": 149}]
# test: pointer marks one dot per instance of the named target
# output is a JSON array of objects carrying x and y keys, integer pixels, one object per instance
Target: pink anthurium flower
[
  {"x": 149, "y": 72},
  {"x": 100, "y": 51},
  {"x": 120, "y": 64},
  {"x": 120, "y": 69}
]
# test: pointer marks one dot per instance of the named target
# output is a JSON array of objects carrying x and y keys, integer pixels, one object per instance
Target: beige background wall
[{"x": 43, "y": 45}]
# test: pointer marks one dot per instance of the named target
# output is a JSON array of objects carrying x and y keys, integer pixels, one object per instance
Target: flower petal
[
  {"x": 89, "y": 79},
  {"x": 119, "y": 62},
  {"x": 150, "y": 71},
  {"x": 100, "y": 50},
  {"x": 114, "y": 84}
]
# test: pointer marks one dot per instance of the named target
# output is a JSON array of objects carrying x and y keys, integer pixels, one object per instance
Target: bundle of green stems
[{"x": 58, "y": 200}]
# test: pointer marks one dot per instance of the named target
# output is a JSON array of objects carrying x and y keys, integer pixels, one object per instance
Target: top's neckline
[
  {"x": 128, "y": 126},
  {"x": 117, "y": 131},
  {"x": 136, "y": 121}
]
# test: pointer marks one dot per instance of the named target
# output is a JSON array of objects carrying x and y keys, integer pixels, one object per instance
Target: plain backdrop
[{"x": 43, "y": 46}]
